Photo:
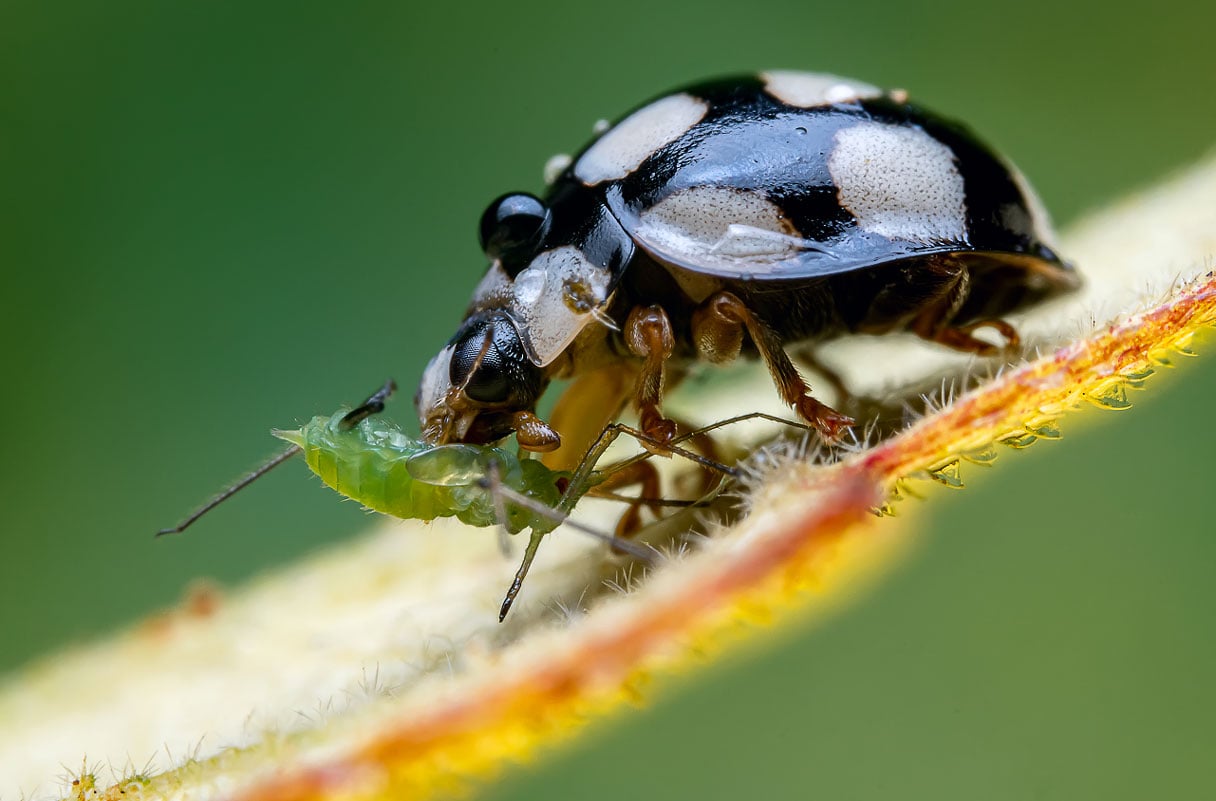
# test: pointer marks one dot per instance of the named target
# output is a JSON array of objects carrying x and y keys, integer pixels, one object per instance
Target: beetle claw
[{"x": 830, "y": 423}]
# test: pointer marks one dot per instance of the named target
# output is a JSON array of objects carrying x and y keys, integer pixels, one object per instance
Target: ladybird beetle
[{"x": 739, "y": 216}]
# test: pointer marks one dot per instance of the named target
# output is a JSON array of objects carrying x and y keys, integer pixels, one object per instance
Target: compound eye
[
  {"x": 512, "y": 229},
  {"x": 479, "y": 368}
]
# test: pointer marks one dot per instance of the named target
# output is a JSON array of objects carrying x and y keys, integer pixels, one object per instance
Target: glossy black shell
[
  {"x": 829, "y": 192},
  {"x": 749, "y": 140}
]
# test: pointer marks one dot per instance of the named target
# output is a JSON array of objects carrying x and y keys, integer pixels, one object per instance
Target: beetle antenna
[{"x": 232, "y": 489}]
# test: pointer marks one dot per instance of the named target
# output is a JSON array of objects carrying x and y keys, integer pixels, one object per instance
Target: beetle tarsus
[{"x": 830, "y": 423}]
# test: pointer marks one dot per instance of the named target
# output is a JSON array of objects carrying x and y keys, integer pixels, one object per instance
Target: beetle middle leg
[
  {"x": 648, "y": 334},
  {"x": 718, "y": 326}
]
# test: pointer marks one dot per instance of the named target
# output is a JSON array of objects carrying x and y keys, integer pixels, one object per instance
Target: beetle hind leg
[
  {"x": 718, "y": 326},
  {"x": 934, "y": 322},
  {"x": 960, "y": 338}
]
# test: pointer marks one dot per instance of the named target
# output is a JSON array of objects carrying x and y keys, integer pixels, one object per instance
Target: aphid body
[
  {"x": 733, "y": 218},
  {"x": 388, "y": 471},
  {"x": 374, "y": 462}
]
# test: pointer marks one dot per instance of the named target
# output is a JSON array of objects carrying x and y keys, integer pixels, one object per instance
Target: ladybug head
[{"x": 476, "y": 388}]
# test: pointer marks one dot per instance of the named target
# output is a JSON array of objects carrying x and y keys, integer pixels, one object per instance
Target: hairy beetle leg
[
  {"x": 638, "y": 474},
  {"x": 534, "y": 434},
  {"x": 933, "y": 323},
  {"x": 718, "y": 325},
  {"x": 810, "y": 358},
  {"x": 960, "y": 338},
  {"x": 648, "y": 334}
]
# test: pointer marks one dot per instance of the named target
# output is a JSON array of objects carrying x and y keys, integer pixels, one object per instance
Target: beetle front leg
[
  {"x": 717, "y": 328},
  {"x": 534, "y": 434},
  {"x": 648, "y": 334}
]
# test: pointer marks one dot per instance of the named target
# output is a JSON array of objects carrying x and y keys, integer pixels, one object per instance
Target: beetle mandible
[{"x": 735, "y": 217}]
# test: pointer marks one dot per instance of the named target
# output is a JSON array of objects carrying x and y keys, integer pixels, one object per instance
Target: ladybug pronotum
[{"x": 739, "y": 216}]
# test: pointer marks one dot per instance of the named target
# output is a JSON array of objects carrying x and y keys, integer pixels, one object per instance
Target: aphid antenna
[
  {"x": 232, "y": 489},
  {"x": 610, "y": 433},
  {"x": 373, "y": 405},
  {"x": 500, "y": 508},
  {"x": 581, "y": 479}
]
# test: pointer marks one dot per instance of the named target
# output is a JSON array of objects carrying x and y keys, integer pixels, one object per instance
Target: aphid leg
[
  {"x": 718, "y": 325},
  {"x": 648, "y": 334},
  {"x": 509, "y": 495},
  {"x": 373, "y": 405},
  {"x": 933, "y": 322},
  {"x": 705, "y": 445},
  {"x": 500, "y": 508},
  {"x": 636, "y": 470},
  {"x": 581, "y": 480},
  {"x": 611, "y": 432}
]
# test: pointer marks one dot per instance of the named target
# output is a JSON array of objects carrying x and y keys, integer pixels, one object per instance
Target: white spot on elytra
[
  {"x": 637, "y": 137},
  {"x": 1040, "y": 219},
  {"x": 811, "y": 89},
  {"x": 899, "y": 182},
  {"x": 555, "y": 166},
  {"x": 599, "y": 126},
  {"x": 719, "y": 225}
]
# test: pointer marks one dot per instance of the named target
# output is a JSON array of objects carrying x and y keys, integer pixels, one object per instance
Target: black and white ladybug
[{"x": 736, "y": 216}]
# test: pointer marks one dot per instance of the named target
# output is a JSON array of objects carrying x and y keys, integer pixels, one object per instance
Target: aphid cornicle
[{"x": 735, "y": 217}]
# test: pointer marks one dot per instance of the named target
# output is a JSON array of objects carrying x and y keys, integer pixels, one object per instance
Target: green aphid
[
  {"x": 374, "y": 462},
  {"x": 388, "y": 471}
]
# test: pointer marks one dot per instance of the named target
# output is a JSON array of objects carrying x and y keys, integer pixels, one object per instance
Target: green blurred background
[{"x": 225, "y": 216}]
